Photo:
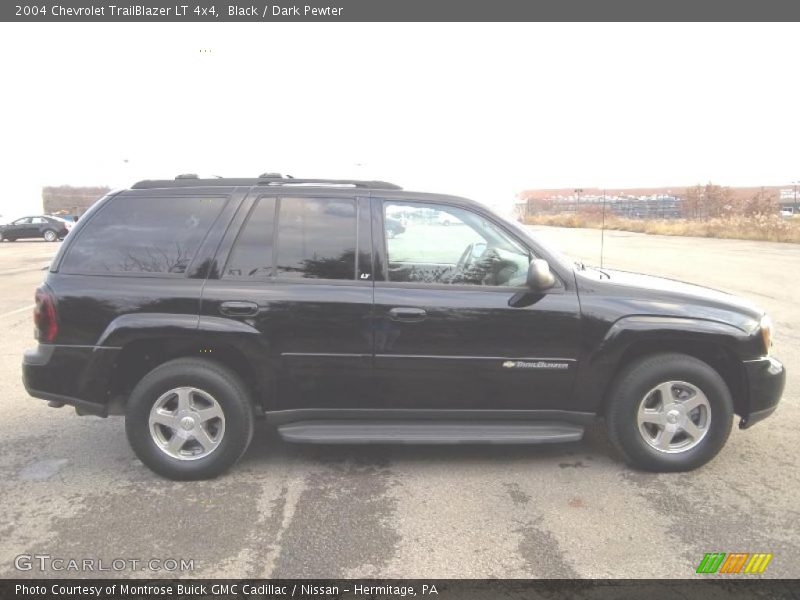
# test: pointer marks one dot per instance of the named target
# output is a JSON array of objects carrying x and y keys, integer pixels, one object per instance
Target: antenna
[{"x": 603, "y": 229}]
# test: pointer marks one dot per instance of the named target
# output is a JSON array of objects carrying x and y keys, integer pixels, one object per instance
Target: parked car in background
[
  {"x": 49, "y": 228},
  {"x": 443, "y": 218},
  {"x": 394, "y": 227}
]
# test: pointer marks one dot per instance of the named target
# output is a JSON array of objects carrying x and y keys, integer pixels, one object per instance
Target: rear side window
[
  {"x": 143, "y": 235},
  {"x": 317, "y": 238},
  {"x": 251, "y": 257}
]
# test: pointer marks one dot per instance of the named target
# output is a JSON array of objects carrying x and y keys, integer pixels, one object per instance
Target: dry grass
[{"x": 772, "y": 228}]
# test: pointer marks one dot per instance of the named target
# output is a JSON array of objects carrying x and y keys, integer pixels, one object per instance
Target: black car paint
[
  {"x": 12, "y": 231},
  {"x": 329, "y": 345}
]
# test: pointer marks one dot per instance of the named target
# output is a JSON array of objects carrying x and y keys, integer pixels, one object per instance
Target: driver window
[{"x": 440, "y": 244}]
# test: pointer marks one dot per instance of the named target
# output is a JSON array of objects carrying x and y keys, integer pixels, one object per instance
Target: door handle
[
  {"x": 407, "y": 314},
  {"x": 239, "y": 309}
]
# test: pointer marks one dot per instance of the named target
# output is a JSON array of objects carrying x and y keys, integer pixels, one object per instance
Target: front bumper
[
  {"x": 766, "y": 378},
  {"x": 74, "y": 375}
]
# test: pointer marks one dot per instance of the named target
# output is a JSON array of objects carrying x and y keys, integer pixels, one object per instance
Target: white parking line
[{"x": 19, "y": 310}]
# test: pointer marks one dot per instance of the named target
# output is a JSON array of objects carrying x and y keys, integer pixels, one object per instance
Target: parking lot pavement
[
  {"x": 71, "y": 488},
  {"x": 21, "y": 264}
]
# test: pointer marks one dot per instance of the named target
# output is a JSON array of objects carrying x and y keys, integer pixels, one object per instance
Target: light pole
[
  {"x": 578, "y": 192},
  {"x": 603, "y": 230}
]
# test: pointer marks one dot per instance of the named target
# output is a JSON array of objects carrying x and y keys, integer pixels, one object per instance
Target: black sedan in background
[{"x": 46, "y": 227}]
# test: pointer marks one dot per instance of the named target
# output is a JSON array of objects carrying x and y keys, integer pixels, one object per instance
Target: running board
[{"x": 429, "y": 432}]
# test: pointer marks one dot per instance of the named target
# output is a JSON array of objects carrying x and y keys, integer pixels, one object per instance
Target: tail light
[{"x": 44, "y": 315}]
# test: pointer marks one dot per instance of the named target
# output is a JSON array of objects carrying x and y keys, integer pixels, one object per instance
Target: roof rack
[
  {"x": 382, "y": 185},
  {"x": 269, "y": 179}
]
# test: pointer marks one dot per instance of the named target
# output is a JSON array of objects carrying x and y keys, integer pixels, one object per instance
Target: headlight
[{"x": 766, "y": 332}]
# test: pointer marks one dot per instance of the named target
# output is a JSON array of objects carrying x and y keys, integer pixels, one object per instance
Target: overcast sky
[{"x": 482, "y": 110}]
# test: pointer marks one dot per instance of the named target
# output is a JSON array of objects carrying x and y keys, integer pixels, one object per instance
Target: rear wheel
[
  {"x": 189, "y": 419},
  {"x": 50, "y": 235},
  {"x": 669, "y": 412}
]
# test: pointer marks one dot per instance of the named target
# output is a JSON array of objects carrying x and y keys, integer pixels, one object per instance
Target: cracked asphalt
[{"x": 70, "y": 487}]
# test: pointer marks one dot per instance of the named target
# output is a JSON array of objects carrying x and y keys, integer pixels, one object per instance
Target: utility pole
[{"x": 603, "y": 230}]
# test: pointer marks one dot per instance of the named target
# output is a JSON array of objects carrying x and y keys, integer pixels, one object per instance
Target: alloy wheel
[
  {"x": 187, "y": 423},
  {"x": 674, "y": 417}
]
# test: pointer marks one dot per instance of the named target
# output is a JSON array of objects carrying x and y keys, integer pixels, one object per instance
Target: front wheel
[
  {"x": 50, "y": 235},
  {"x": 669, "y": 412},
  {"x": 189, "y": 419}
]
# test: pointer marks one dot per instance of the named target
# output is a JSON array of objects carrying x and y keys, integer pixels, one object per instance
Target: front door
[
  {"x": 24, "y": 228},
  {"x": 456, "y": 326}
]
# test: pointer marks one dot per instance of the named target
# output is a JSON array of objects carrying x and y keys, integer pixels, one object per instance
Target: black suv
[
  {"x": 195, "y": 306},
  {"x": 46, "y": 227}
]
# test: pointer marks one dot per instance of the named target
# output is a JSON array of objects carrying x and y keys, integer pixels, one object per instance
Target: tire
[
  {"x": 50, "y": 236},
  {"x": 648, "y": 411},
  {"x": 158, "y": 408}
]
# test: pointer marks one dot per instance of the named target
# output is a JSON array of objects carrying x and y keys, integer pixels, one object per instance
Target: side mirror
[{"x": 539, "y": 276}]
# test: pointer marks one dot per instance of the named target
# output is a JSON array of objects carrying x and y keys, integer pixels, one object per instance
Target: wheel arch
[
  {"x": 140, "y": 357},
  {"x": 719, "y": 358},
  {"x": 630, "y": 339},
  {"x": 149, "y": 344}
]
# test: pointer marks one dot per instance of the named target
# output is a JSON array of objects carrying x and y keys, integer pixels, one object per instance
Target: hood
[{"x": 666, "y": 296}]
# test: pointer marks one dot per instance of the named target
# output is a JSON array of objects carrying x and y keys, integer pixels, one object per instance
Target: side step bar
[{"x": 429, "y": 432}]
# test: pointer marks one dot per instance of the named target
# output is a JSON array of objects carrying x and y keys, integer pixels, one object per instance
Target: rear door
[
  {"x": 456, "y": 327},
  {"x": 38, "y": 226},
  {"x": 298, "y": 269}
]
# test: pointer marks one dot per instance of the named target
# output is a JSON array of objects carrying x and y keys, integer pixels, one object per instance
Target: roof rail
[
  {"x": 381, "y": 185},
  {"x": 274, "y": 179}
]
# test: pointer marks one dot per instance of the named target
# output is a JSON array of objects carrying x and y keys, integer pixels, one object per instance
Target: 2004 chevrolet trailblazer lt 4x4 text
[{"x": 195, "y": 306}]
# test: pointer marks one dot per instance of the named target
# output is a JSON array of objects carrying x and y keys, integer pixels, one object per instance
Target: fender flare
[
  {"x": 195, "y": 330},
  {"x": 601, "y": 362}
]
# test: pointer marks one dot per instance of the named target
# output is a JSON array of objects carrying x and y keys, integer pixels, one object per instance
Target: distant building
[
  {"x": 645, "y": 203},
  {"x": 69, "y": 200}
]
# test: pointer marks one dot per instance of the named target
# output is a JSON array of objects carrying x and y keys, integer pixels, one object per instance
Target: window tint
[
  {"x": 143, "y": 235},
  {"x": 38, "y": 220},
  {"x": 317, "y": 238},
  {"x": 251, "y": 257},
  {"x": 437, "y": 244},
  {"x": 23, "y": 221}
]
